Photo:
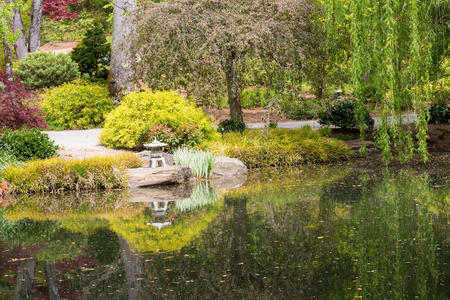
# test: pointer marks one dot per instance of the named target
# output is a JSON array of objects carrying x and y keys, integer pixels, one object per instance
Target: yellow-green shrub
[
  {"x": 129, "y": 125},
  {"x": 279, "y": 147},
  {"x": 77, "y": 105},
  {"x": 57, "y": 174}
]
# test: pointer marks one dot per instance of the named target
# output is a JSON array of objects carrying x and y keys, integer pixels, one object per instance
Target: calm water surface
[{"x": 310, "y": 233}]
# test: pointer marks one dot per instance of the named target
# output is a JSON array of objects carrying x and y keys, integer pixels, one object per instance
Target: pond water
[{"x": 324, "y": 232}]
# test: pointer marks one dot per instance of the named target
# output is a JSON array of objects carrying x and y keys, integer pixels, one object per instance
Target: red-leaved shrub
[
  {"x": 16, "y": 106},
  {"x": 59, "y": 9}
]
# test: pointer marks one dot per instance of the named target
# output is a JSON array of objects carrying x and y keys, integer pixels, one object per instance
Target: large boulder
[
  {"x": 226, "y": 166},
  {"x": 146, "y": 177}
]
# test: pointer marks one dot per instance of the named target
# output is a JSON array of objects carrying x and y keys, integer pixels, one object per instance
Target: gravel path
[
  {"x": 85, "y": 143},
  {"x": 79, "y": 143}
]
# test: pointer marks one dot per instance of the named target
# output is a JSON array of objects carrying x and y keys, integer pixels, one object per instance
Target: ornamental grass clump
[
  {"x": 201, "y": 162},
  {"x": 56, "y": 174},
  {"x": 280, "y": 147}
]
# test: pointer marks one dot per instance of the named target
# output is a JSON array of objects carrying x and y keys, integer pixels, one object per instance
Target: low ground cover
[{"x": 279, "y": 147}]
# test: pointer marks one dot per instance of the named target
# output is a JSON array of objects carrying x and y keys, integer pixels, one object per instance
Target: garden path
[{"x": 85, "y": 143}]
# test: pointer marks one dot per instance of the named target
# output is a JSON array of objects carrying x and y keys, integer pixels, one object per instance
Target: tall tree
[
  {"x": 121, "y": 71},
  {"x": 35, "y": 26},
  {"x": 202, "y": 46},
  {"x": 21, "y": 43}
]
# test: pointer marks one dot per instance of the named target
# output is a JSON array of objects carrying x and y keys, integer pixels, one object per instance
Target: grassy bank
[
  {"x": 280, "y": 147},
  {"x": 56, "y": 174}
]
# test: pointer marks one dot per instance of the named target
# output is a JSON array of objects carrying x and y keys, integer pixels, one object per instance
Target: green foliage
[
  {"x": 77, "y": 105},
  {"x": 45, "y": 69},
  {"x": 6, "y": 159},
  {"x": 302, "y": 109},
  {"x": 439, "y": 114},
  {"x": 69, "y": 30},
  {"x": 188, "y": 135},
  {"x": 255, "y": 97},
  {"x": 342, "y": 114},
  {"x": 93, "y": 54},
  {"x": 56, "y": 174},
  {"x": 325, "y": 131},
  {"x": 203, "y": 194},
  {"x": 24, "y": 144},
  {"x": 279, "y": 147},
  {"x": 129, "y": 125},
  {"x": 231, "y": 125},
  {"x": 273, "y": 125},
  {"x": 201, "y": 162}
]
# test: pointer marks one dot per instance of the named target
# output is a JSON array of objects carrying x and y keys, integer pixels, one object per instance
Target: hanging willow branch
[{"x": 391, "y": 54}]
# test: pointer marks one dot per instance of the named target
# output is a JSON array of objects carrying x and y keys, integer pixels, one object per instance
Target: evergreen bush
[
  {"x": 93, "y": 54},
  {"x": 25, "y": 144},
  {"x": 45, "y": 69}
]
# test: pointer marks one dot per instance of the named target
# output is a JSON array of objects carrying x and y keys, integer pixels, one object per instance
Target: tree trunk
[
  {"x": 35, "y": 26},
  {"x": 21, "y": 44},
  {"x": 51, "y": 281},
  {"x": 24, "y": 280},
  {"x": 233, "y": 88},
  {"x": 8, "y": 60},
  {"x": 121, "y": 70}
]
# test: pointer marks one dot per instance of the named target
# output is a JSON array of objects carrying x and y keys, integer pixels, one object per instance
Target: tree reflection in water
[{"x": 309, "y": 234}]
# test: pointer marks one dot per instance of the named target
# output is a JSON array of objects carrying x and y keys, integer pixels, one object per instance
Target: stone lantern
[{"x": 156, "y": 153}]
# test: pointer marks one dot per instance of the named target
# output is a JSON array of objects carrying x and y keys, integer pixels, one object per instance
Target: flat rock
[
  {"x": 226, "y": 166},
  {"x": 146, "y": 177}
]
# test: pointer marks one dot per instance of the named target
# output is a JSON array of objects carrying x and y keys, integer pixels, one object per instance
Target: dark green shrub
[
  {"x": 342, "y": 114},
  {"x": 25, "y": 144},
  {"x": 77, "y": 105},
  {"x": 93, "y": 54},
  {"x": 273, "y": 125},
  {"x": 45, "y": 69},
  {"x": 439, "y": 114},
  {"x": 230, "y": 125}
]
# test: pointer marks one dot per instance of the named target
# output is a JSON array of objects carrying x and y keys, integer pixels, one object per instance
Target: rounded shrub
[
  {"x": 231, "y": 125},
  {"x": 439, "y": 113},
  {"x": 45, "y": 69},
  {"x": 130, "y": 125},
  {"x": 77, "y": 105},
  {"x": 25, "y": 144},
  {"x": 342, "y": 114}
]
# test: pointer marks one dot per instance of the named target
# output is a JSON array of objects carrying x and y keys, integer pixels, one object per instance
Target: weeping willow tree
[{"x": 391, "y": 53}]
